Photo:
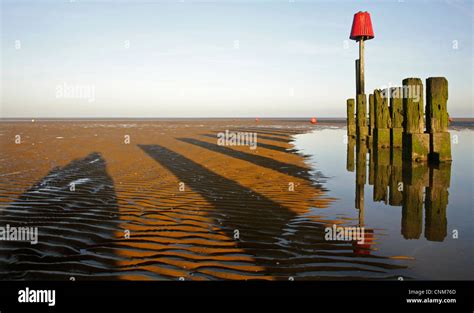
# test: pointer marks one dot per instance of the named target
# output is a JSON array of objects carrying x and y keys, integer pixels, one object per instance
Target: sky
[{"x": 248, "y": 58}]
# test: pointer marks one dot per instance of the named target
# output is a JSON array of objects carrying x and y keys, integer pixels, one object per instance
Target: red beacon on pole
[{"x": 361, "y": 30}]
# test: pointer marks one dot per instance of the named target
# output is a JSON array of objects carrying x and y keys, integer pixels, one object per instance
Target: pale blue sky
[{"x": 222, "y": 59}]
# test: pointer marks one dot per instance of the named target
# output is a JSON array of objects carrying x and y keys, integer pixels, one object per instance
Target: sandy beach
[{"x": 162, "y": 200}]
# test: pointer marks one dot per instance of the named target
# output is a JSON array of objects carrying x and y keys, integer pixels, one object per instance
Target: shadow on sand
[
  {"x": 75, "y": 211},
  {"x": 281, "y": 241}
]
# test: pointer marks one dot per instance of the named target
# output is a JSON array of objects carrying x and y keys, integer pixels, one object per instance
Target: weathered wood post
[
  {"x": 381, "y": 140},
  {"x": 371, "y": 119},
  {"x": 436, "y": 202},
  {"x": 361, "y": 117},
  {"x": 396, "y": 135},
  {"x": 382, "y": 120},
  {"x": 416, "y": 143},
  {"x": 437, "y": 119},
  {"x": 357, "y": 71},
  {"x": 396, "y": 116},
  {"x": 351, "y": 126}
]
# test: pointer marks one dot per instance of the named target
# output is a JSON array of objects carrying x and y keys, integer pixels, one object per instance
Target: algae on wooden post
[
  {"x": 396, "y": 117},
  {"x": 351, "y": 126},
  {"x": 416, "y": 144},
  {"x": 361, "y": 117},
  {"x": 371, "y": 114},
  {"x": 396, "y": 107},
  {"x": 440, "y": 147},
  {"x": 436, "y": 105},
  {"x": 413, "y": 118},
  {"x": 437, "y": 118},
  {"x": 382, "y": 115},
  {"x": 382, "y": 120}
]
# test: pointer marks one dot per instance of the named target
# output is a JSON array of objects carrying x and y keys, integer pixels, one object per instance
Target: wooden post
[
  {"x": 361, "y": 117},
  {"x": 371, "y": 115},
  {"x": 396, "y": 116},
  {"x": 382, "y": 120},
  {"x": 361, "y": 67},
  {"x": 351, "y": 123},
  {"x": 437, "y": 119},
  {"x": 416, "y": 143},
  {"x": 357, "y": 65}
]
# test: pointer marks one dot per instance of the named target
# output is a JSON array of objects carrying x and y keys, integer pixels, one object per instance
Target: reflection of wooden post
[
  {"x": 350, "y": 154},
  {"x": 437, "y": 118},
  {"x": 351, "y": 125},
  {"x": 360, "y": 202},
  {"x": 436, "y": 202},
  {"x": 415, "y": 141},
  {"x": 415, "y": 178},
  {"x": 396, "y": 178},
  {"x": 371, "y": 166},
  {"x": 412, "y": 212},
  {"x": 382, "y": 174},
  {"x": 361, "y": 163},
  {"x": 361, "y": 178}
]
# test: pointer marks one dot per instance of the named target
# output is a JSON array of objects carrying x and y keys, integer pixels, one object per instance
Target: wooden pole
[
  {"x": 357, "y": 65},
  {"x": 361, "y": 67}
]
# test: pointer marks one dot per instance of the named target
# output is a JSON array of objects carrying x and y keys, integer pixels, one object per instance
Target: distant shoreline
[
  {"x": 464, "y": 122},
  {"x": 299, "y": 119}
]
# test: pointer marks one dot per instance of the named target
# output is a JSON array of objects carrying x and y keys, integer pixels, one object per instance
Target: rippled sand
[{"x": 134, "y": 189}]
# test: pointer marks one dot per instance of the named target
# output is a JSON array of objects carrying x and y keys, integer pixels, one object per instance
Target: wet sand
[{"x": 128, "y": 216}]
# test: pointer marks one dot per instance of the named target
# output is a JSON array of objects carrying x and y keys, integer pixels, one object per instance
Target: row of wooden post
[{"x": 396, "y": 119}]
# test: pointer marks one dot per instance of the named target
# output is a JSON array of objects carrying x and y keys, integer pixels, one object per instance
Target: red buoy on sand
[{"x": 314, "y": 120}]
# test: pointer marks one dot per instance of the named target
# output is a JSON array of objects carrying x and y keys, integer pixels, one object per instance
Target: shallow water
[{"x": 405, "y": 223}]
